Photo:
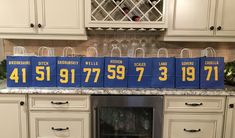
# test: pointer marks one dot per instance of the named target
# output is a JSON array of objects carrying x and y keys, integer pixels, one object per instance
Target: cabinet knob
[
  {"x": 21, "y": 103},
  {"x": 231, "y": 105},
  {"x": 212, "y": 28},
  {"x": 32, "y": 25},
  {"x": 219, "y": 28},
  {"x": 39, "y": 25}
]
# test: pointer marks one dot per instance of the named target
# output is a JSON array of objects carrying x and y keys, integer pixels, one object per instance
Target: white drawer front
[
  {"x": 59, "y": 102},
  {"x": 194, "y": 104},
  {"x": 60, "y": 125},
  {"x": 193, "y": 126}
]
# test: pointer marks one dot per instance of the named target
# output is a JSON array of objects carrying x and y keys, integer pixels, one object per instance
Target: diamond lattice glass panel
[{"x": 127, "y": 10}]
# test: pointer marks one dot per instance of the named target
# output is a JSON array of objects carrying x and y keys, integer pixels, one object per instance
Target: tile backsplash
[{"x": 226, "y": 50}]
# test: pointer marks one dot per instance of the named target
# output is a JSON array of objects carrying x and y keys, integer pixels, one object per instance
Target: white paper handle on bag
[
  {"x": 92, "y": 48},
  {"x": 50, "y": 51},
  {"x": 162, "y": 49},
  {"x": 186, "y": 50},
  {"x": 66, "y": 51},
  {"x": 141, "y": 49},
  {"x": 19, "y": 51},
  {"x": 205, "y": 52},
  {"x": 116, "y": 48}
]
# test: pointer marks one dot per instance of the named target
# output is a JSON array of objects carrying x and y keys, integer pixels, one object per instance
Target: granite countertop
[{"x": 118, "y": 91}]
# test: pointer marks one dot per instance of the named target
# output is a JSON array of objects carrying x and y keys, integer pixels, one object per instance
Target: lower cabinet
[
  {"x": 13, "y": 116},
  {"x": 193, "y": 116},
  {"x": 229, "y": 129},
  {"x": 59, "y": 116},
  {"x": 59, "y": 124},
  {"x": 193, "y": 126}
]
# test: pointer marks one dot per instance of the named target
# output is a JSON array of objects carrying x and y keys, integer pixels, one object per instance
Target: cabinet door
[
  {"x": 60, "y": 17},
  {"x": 16, "y": 16},
  {"x": 229, "y": 131},
  {"x": 226, "y": 18},
  {"x": 59, "y": 124},
  {"x": 192, "y": 126},
  {"x": 191, "y": 17},
  {"x": 13, "y": 116}
]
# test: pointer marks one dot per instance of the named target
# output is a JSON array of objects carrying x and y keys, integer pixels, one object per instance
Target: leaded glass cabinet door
[{"x": 126, "y": 13}]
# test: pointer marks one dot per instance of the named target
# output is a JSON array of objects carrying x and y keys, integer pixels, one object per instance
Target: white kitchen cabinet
[
  {"x": 59, "y": 124},
  {"x": 225, "y": 18},
  {"x": 191, "y": 17},
  {"x": 229, "y": 129},
  {"x": 60, "y": 17},
  {"x": 202, "y": 20},
  {"x": 193, "y": 126},
  {"x": 13, "y": 116},
  {"x": 126, "y": 13},
  {"x": 56, "y": 116},
  {"x": 193, "y": 116},
  {"x": 42, "y": 19},
  {"x": 16, "y": 16}
]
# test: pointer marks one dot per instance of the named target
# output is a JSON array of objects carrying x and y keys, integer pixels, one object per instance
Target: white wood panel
[
  {"x": 229, "y": 129},
  {"x": 61, "y": 16},
  {"x": 191, "y": 17},
  {"x": 16, "y": 16},
  {"x": 210, "y": 126},
  {"x": 74, "y": 102},
  {"x": 205, "y": 104},
  {"x": 41, "y": 124},
  {"x": 226, "y": 18},
  {"x": 13, "y": 117}
]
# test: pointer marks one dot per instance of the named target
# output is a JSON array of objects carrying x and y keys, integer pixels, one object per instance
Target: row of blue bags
[{"x": 162, "y": 72}]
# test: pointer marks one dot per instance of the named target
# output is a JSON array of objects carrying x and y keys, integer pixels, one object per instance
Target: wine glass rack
[{"x": 126, "y": 13}]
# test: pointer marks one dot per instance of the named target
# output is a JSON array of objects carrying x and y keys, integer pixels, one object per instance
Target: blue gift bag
[
  {"x": 92, "y": 70},
  {"x": 212, "y": 72},
  {"x": 139, "y": 71},
  {"x": 19, "y": 71},
  {"x": 187, "y": 71},
  {"x": 44, "y": 70},
  {"x": 163, "y": 71},
  {"x": 115, "y": 70},
  {"x": 68, "y": 70}
]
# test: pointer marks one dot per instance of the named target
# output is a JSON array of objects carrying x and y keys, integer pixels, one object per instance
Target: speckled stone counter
[{"x": 228, "y": 91}]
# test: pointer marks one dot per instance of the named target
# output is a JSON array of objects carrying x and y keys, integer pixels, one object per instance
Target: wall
[
  {"x": 1, "y": 50},
  {"x": 226, "y": 50}
]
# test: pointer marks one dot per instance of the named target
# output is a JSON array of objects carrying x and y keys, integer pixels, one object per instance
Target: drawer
[
  {"x": 59, "y": 102},
  {"x": 59, "y": 125},
  {"x": 193, "y": 126},
  {"x": 194, "y": 104}
]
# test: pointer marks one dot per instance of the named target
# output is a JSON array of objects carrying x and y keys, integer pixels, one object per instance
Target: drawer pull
[
  {"x": 60, "y": 129},
  {"x": 192, "y": 130},
  {"x": 193, "y": 104},
  {"x": 59, "y": 103}
]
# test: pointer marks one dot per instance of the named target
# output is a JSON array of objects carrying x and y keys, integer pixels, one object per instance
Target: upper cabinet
[
  {"x": 226, "y": 18},
  {"x": 16, "y": 16},
  {"x": 126, "y": 13},
  {"x": 60, "y": 16},
  {"x": 53, "y": 19},
  {"x": 201, "y": 18}
]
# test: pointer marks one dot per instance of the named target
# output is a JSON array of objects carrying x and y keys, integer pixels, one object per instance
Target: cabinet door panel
[
  {"x": 60, "y": 16},
  {"x": 192, "y": 126},
  {"x": 16, "y": 16},
  {"x": 226, "y": 18},
  {"x": 59, "y": 124},
  {"x": 191, "y": 17},
  {"x": 12, "y": 117},
  {"x": 229, "y": 131}
]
